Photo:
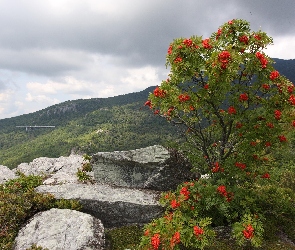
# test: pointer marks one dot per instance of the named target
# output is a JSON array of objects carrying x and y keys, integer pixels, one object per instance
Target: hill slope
[{"x": 100, "y": 124}]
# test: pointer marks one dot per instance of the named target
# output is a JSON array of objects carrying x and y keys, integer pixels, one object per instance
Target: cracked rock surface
[
  {"x": 153, "y": 167},
  {"x": 62, "y": 229}
]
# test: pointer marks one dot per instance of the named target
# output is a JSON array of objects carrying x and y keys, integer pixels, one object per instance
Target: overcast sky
[{"x": 52, "y": 51}]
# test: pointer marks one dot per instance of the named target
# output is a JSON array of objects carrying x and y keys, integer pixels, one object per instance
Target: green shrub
[
  {"x": 127, "y": 237},
  {"x": 83, "y": 176},
  {"x": 86, "y": 167},
  {"x": 35, "y": 247},
  {"x": 279, "y": 210},
  {"x": 287, "y": 179}
]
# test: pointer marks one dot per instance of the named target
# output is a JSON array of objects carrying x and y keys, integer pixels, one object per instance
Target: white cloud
[
  {"x": 5, "y": 96},
  {"x": 7, "y": 105},
  {"x": 140, "y": 78},
  {"x": 41, "y": 99},
  {"x": 69, "y": 85},
  {"x": 283, "y": 48}
]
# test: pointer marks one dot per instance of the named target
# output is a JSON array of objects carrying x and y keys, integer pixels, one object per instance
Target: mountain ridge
[
  {"x": 86, "y": 105},
  {"x": 84, "y": 126}
]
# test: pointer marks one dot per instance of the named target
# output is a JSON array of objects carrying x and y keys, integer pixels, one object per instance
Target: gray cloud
[
  {"x": 276, "y": 16},
  {"x": 2, "y": 85},
  {"x": 43, "y": 62},
  {"x": 139, "y": 33},
  {"x": 101, "y": 42}
]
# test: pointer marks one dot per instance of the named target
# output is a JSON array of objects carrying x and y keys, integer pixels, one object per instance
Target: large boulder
[
  {"x": 154, "y": 167},
  {"x": 61, "y": 229},
  {"x": 6, "y": 174}
]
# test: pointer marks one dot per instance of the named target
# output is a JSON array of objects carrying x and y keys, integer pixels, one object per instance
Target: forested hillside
[
  {"x": 286, "y": 68},
  {"x": 92, "y": 125},
  {"x": 87, "y": 126}
]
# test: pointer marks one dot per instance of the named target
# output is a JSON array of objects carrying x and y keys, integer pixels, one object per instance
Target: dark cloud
[
  {"x": 112, "y": 46},
  {"x": 43, "y": 62},
  {"x": 139, "y": 34},
  {"x": 275, "y": 16}
]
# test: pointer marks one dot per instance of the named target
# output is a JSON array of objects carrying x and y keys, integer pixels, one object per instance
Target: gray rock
[
  {"x": 61, "y": 229},
  {"x": 58, "y": 170},
  {"x": 6, "y": 174},
  {"x": 113, "y": 206},
  {"x": 153, "y": 168}
]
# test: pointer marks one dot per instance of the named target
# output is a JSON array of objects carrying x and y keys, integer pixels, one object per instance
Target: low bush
[
  {"x": 127, "y": 237},
  {"x": 86, "y": 167},
  {"x": 35, "y": 247}
]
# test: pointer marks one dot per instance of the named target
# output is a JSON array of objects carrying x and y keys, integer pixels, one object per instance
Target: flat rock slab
[
  {"x": 62, "y": 229},
  {"x": 113, "y": 206}
]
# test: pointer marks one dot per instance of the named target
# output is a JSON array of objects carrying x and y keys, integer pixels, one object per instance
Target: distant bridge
[{"x": 31, "y": 127}]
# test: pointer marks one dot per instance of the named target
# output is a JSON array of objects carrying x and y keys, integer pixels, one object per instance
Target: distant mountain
[
  {"x": 62, "y": 113},
  {"x": 286, "y": 68},
  {"x": 91, "y": 125}
]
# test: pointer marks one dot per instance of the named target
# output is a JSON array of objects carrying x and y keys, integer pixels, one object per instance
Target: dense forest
[{"x": 90, "y": 126}]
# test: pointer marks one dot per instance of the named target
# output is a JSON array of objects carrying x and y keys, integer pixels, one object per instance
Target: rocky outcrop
[
  {"x": 153, "y": 167},
  {"x": 58, "y": 170},
  {"x": 58, "y": 229},
  {"x": 6, "y": 174},
  {"x": 62, "y": 109},
  {"x": 114, "y": 206},
  {"x": 124, "y": 189}
]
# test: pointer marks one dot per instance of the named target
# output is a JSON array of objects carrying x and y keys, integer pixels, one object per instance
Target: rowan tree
[{"x": 235, "y": 111}]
